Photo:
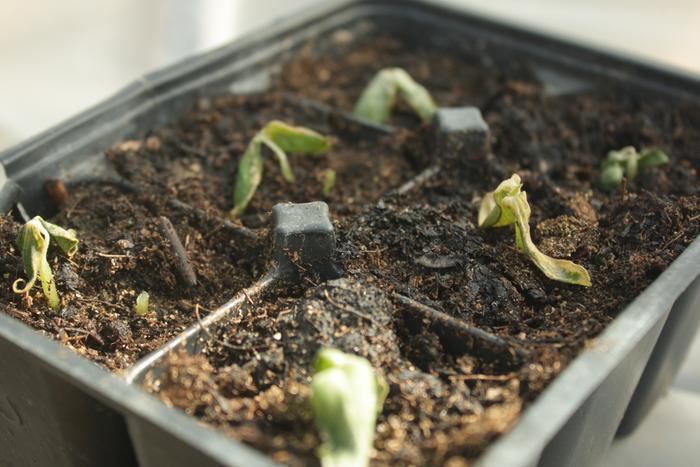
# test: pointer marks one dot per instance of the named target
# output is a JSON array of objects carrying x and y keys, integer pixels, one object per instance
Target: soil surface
[
  {"x": 123, "y": 252},
  {"x": 419, "y": 275},
  {"x": 415, "y": 260}
]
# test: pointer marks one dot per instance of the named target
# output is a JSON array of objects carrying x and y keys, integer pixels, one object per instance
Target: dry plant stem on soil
[
  {"x": 183, "y": 263},
  {"x": 225, "y": 223},
  {"x": 460, "y": 327}
]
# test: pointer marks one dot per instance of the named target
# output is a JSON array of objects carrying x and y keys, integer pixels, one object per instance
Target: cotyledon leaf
[{"x": 248, "y": 178}]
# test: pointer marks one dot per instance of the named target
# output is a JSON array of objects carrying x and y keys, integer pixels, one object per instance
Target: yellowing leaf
[
  {"x": 508, "y": 205},
  {"x": 33, "y": 242}
]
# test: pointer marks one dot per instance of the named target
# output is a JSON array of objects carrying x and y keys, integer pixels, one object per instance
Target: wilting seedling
[
  {"x": 347, "y": 395},
  {"x": 378, "y": 98},
  {"x": 508, "y": 205},
  {"x": 142, "y": 304},
  {"x": 626, "y": 162},
  {"x": 33, "y": 241},
  {"x": 281, "y": 139}
]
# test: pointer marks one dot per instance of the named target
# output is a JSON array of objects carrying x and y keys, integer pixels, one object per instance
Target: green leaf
[
  {"x": 249, "y": 175},
  {"x": 142, "y": 304},
  {"x": 378, "y": 98},
  {"x": 415, "y": 95},
  {"x": 33, "y": 242},
  {"x": 296, "y": 139},
  {"x": 627, "y": 162},
  {"x": 285, "y": 168},
  {"x": 328, "y": 182},
  {"x": 652, "y": 158},
  {"x": 513, "y": 208},
  {"x": 346, "y": 397},
  {"x": 612, "y": 176},
  {"x": 65, "y": 239}
]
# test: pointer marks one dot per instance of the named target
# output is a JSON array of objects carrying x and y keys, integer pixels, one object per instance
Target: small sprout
[
  {"x": 508, "y": 205},
  {"x": 142, "y": 304},
  {"x": 379, "y": 96},
  {"x": 33, "y": 241},
  {"x": 328, "y": 182},
  {"x": 281, "y": 139},
  {"x": 626, "y": 162},
  {"x": 347, "y": 395}
]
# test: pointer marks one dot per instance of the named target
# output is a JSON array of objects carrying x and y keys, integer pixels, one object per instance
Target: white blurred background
[{"x": 59, "y": 57}]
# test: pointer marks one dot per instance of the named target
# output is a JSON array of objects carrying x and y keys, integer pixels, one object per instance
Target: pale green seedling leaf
[
  {"x": 510, "y": 203},
  {"x": 142, "y": 304},
  {"x": 347, "y": 395},
  {"x": 33, "y": 242},
  {"x": 285, "y": 168},
  {"x": 66, "y": 239},
  {"x": 561, "y": 270},
  {"x": 652, "y": 158},
  {"x": 296, "y": 139},
  {"x": 281, "y": 139},
  {"x": 328, "y": 182},
  {"x": 490, "y": 212},
  {"x": 378, "y": 98},
  {"x": 626, "y": 162},
  {"x": 415, "y": 95},
  {"x": 248, "y": 178}
]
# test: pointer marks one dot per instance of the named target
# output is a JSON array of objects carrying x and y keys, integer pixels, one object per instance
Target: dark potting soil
[
  {"x": 195, "y": 159},
  {"x": 450, "y": 394},
  {"x": 123, "y": 252},
  {"x": 411, "y": 257}
]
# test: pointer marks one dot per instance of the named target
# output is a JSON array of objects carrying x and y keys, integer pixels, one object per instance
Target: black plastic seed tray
[{"x": 59, "y": 409}]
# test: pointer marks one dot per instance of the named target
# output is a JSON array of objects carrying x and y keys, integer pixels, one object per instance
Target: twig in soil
[
  {"x": 418, "y": 180},
  {"x": 673, "y": 240},
  {"x": 238, "y": 229},
  {"x": 350, "y": 309},
  {"x": 463, "y": 328},
  {"x": 109, "y": 255},
  {"x": 183, "y": 263},
  {"x": 481, "y": 377}
]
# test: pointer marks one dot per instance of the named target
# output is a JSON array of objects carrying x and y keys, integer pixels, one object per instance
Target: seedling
[
  {"x": 378, "y": 98},
  {"x": 347, "y": 395},
  {"x": 281, "y": 138},
  {"x": 33, "y": 241},
  {"x": 508, "y": 205},
  {"x": 142, "y": 304},
  {"x": 626, "y": 162},
  {"x": 328, "y": 182}
]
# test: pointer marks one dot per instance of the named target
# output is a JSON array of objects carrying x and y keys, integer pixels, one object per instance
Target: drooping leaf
[
  {"x": 285, "y": 168},
  {"x": 296, "y": 139},
  {"x": 346, "y": 397},
  {"x": 611, "y": 176},
  {"x": 561, "y": 270},
  {"x": 66, "y": 239},
  {"x": 378, "y": 98},
  {"x": 510, "y": 203},
  {"x": 248, "y": 178},
  {"x": 33, "y": 242},
  {"x": 415, "y": 95},
  {"x": 281, "y": 139}
]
